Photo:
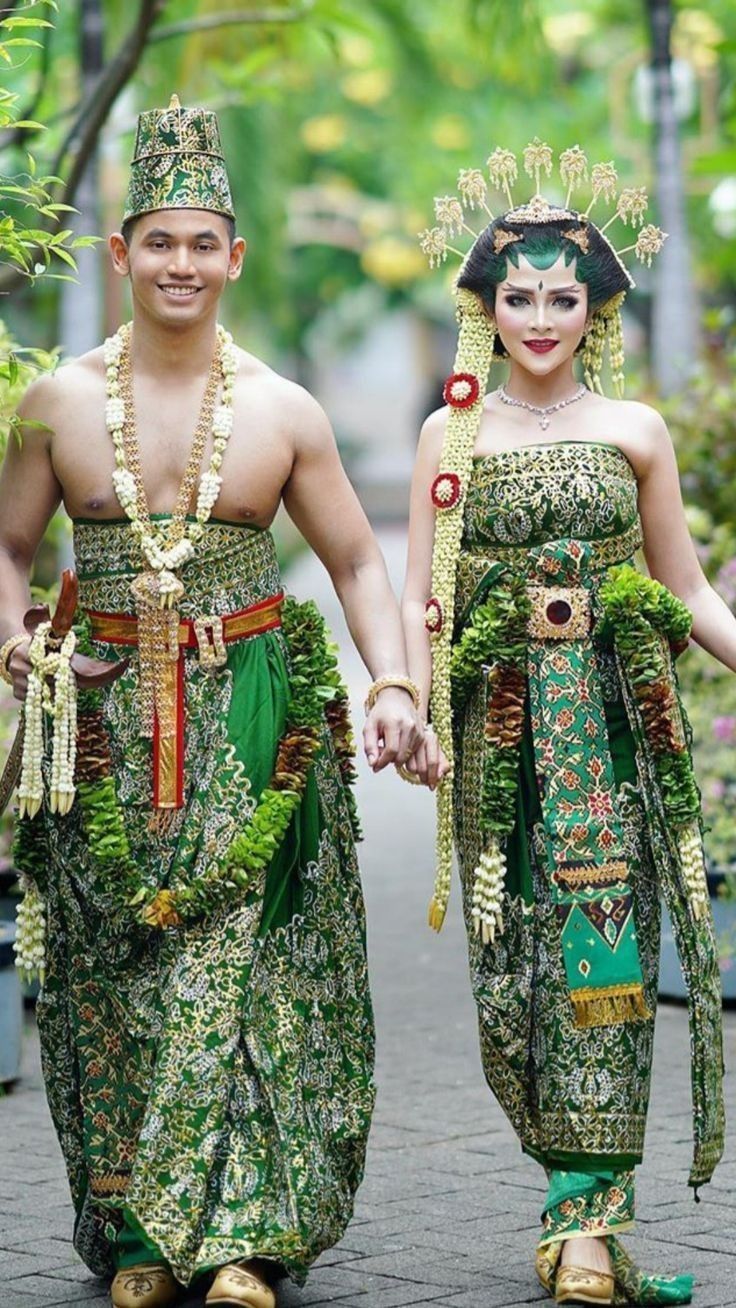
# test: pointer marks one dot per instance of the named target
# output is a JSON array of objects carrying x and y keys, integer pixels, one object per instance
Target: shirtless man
[{"x": 210, "y": 1082}]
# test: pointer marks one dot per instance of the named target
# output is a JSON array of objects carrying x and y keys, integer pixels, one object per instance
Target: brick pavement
[{"x": 448, "y": 1212}]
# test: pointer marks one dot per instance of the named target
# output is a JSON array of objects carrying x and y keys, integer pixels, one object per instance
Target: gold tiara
[{"x": 630, "y": 205}]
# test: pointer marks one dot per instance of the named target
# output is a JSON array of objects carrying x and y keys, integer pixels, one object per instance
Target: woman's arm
[
  {"x": 429, "y": 763},
  {"x": 668, "y": 548}
]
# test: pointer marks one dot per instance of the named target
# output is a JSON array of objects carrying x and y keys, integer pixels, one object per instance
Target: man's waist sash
[{"x": 165, "y": 709}]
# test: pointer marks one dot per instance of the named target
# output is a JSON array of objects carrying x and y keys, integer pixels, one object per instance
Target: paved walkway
[{"x": 449, "y": 1210}]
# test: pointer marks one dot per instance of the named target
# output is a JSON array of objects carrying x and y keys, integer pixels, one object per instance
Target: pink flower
[{"x": 724, "y": 729}]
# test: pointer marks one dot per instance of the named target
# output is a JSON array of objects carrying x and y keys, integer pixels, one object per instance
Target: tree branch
[
  {"x": 84, "y": 131},
  {"x": 231, "y": 18},
  {"x": 81, "y": 138}
]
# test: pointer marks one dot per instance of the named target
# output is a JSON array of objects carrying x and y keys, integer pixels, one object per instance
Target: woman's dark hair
[
  {"x": 128, "y": 227},
  {"x": 542, "y": 244}
]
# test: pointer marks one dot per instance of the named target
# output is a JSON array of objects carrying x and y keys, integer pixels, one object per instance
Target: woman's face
[{"x": 541, "y": 314}]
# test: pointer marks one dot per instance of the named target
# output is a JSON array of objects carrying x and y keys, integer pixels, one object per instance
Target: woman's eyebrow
[{"x": 555, "y": 290}]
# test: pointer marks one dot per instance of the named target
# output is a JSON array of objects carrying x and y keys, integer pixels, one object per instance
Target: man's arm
[
  {"x": 29, "y": 496},
  {"x": 322, "y": 503}
]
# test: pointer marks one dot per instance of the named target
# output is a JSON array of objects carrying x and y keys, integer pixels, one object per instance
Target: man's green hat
[{"x": 178, "y": 163}]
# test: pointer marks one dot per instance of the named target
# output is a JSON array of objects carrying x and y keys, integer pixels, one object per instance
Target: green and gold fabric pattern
[{"x": 178, "y": 163}]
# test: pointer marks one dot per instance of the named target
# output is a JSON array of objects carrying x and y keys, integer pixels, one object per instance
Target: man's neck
[{"x": 167, "y": 351}]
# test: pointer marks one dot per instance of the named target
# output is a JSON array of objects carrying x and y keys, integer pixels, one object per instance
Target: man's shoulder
[
  {"x": 70, "y": 383},
  {"x": 295, "y": 407}
]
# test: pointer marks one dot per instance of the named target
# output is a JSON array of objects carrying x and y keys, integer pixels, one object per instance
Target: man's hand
[
  {"x": 428, "y": 762},
  {"x": 393, "y": 730},
  {"x": 19, "y": 667}
]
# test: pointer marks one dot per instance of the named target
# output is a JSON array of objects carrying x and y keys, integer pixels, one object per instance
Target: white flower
[
  {"x": 223, "y": 421},
  {"x": 124, "y": 484},
  {"x": 114, "y": 413},
  {"x": 112, "y": 350}
]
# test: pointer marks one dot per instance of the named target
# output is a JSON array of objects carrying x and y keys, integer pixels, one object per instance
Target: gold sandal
[
  {"x": 147, "y": 1285},
  {"x": 237, "y": 1286},
  {"x": 583, "y": 1285}
]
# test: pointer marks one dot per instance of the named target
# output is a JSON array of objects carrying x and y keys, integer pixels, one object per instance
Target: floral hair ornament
[{"x": 472, "y": 364}]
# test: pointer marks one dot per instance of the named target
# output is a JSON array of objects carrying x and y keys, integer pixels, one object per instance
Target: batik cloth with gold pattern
[
  {"x": 211, "y": 1084},
  {"x": 576, "y": 1093}
]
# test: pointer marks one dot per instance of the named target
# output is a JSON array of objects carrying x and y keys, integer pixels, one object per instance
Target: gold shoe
[
  {"x": 582, "y": 1285},
  {"x": 147, "y": 1285},
  {"x": 237, "y": 1286}
]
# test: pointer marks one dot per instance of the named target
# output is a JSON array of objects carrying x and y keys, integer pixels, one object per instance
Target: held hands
[
  {"x": 393, "y": 730},
  {"x": 428, "y": 765}
]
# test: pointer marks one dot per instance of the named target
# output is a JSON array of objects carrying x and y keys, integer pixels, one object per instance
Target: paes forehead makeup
[{"x": 553, "y": 290}]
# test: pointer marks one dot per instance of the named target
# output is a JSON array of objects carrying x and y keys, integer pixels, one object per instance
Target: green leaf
[{"x": 18, "y": 20}]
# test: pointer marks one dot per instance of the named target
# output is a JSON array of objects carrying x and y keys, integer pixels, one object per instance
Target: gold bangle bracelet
[
  {"x": 6, "y": 650},
  {"x": 383, "y": 683}
]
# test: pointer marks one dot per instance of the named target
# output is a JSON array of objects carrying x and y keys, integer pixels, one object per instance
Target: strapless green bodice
[
  {"x": 234, "y": 566},
  {"x": 521, "y": 499}
]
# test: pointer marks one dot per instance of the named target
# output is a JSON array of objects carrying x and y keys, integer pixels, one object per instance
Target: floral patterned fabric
[
  {"x": 577, "y": 1096},
  {"x": 211, "y": 1085}
]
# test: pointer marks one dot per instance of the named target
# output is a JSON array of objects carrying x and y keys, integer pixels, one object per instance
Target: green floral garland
[
  {"x": 317, "y": 694},
  {"x": 496, "y": 635},
  {"x": 639, "y": 615}
]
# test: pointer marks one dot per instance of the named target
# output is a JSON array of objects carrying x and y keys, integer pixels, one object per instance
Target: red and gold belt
[{"x": 209, "y": 634}]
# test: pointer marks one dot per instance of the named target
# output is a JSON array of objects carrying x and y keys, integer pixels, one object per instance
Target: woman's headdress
[{"x": 465, "y": 389}]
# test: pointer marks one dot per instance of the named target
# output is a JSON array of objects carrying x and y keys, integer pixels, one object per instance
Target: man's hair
[{"x": 128, "y": 227}]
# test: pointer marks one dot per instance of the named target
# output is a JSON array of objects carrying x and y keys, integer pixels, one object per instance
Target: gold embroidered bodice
[{"x": 522, "y": 498}]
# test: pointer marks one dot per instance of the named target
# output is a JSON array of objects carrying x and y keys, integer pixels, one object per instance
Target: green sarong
[{"x": 211, "y": 1084}]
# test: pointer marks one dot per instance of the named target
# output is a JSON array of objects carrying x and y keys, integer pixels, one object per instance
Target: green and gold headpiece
[{"x": 178, "y": 163}]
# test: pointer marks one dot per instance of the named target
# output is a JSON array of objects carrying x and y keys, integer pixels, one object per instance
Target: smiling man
[{"x": 205, "y": 1017}]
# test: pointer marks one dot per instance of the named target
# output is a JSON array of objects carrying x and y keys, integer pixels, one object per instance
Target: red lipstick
[{"x": 541, "y": 347}]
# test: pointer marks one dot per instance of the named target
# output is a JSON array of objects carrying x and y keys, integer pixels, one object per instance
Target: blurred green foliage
[{"x": 702, "y": 424}]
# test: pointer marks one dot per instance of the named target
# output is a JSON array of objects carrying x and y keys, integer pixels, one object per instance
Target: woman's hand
[
  {"x": 393, "y": 730},
  {"x": 428, "y": 762}
]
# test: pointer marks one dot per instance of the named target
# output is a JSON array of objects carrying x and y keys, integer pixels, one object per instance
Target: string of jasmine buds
[
  {"x": 473, "y": 358},
  {"x": 30, "y": 937},
  {"x": 163, "y": 553},
  {"x": 488, "y": 887},
  {"x": 690, "y": 847},
  {"x": 52, "y": 689}
]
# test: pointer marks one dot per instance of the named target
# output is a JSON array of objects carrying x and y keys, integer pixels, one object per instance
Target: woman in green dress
[{"x": 560, "y": 749}]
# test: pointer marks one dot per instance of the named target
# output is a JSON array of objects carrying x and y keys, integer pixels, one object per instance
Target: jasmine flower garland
[
  {"x": 472, "y": 363},
  {"x": 494, "y": 644}
]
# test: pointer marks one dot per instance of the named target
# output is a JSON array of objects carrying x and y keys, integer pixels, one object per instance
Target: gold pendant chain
[{"x": 175, "y": 530}]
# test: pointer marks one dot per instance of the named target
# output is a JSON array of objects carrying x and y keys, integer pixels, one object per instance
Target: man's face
[{"x": 178, "y": 262}]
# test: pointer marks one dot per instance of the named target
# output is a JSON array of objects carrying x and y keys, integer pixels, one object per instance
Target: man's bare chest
[{"x": 256, "y": 466}]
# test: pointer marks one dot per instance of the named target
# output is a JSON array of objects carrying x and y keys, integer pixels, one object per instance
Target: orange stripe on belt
[
  {"x": 122, "y": 628},
  {"x": 208, "y": 634}
]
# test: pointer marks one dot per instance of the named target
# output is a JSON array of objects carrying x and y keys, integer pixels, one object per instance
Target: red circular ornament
[
  {"x": 461, "y": 390},
  {"x": 446, "y": 489},
  {"x": 433, "y": 618}
]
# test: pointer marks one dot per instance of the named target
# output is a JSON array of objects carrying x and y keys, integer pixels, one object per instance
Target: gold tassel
[
  {"x": 609, "y": 1006},
  {"x": 436, "y": 915},
  {"x": 165, "y": 821}
]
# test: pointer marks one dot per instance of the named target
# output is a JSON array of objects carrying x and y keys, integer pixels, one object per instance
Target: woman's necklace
[{"x": 541, "y": 411}]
